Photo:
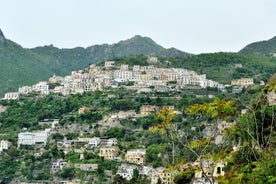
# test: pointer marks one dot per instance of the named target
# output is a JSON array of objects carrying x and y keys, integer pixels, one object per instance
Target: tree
[
  {"x": 119, "y": 180},
  {"x": 255, "y": 135},
  {"x": 218, "y": 109},
  {"x": 67, "y": 172}
]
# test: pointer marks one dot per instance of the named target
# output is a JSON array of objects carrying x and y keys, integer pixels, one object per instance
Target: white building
[
  {"x": 109, "y": 142},
  {"x": 136, "y": 68},
  {"x": 109, "y": 64},
  {"x": 126, "y": 171},
  {"x": 122, "y": 75},
  {"x": 25, "y": 90},
  {"x": 11, "y": 96},
  {"x": 94, "y": 142},
  {"x": 41, "y": 87},
  {"x": 124, "y": 67},
  {"x": 31, "y": 138},
  {"x": 4, "y": 145}
]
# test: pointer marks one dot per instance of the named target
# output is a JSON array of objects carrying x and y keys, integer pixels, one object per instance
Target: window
[{"x": 218, "y": 170}]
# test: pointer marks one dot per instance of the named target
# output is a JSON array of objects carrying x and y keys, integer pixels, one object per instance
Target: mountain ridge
[
  {"x": 265, "y": 47},
  {"x": 2, "y": 37},
  {"x": 22, "y": 66}
]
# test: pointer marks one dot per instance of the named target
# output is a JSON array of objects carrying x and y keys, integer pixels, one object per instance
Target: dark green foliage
[
  {"x": 71, "y": 136},
  {"x": 155, "y": 153},
  {"x": 57, "y": 137},
  {"x": 184, "y": 177},
  {"x": 115, "y": 132},
  {"x": 90, "y": 117},
  {"x": 8, "y": 167},
  {"x": 67, "y": 173}
]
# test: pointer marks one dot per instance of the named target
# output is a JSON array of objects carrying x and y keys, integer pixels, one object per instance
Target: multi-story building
[
  {"x": 41, "y": 87},
  {"x": 136, "y": 68},
  {"x": 136, "y": 156},
  {"x": 109, "y": 152},
  {"x": 126, "y": 171},
  {"x": 161, "y": 174},
  {"x": 31, "y": 138},
  {"x": 109, "y": 142},
  {"x": 11, "y": 96},
  {"x": 4, "y": 145},
  {"x": 242, "y": 82},
  {"x": 25, "y": 90},
  {"x": 109, "y": 64},
  {"x": 94, "y": 142},
  {"x": 122, "y": 75},
  {"x": 124, "y": 67}
]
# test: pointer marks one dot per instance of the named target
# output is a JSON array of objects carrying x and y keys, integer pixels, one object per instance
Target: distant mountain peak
[
  {"x": 266, "y": 47},
  {"x": 138, "y": 39},
  {"x": 2, "y": 37}
]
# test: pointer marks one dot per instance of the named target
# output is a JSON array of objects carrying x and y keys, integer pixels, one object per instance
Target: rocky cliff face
[{"x": 2, "y": 37}]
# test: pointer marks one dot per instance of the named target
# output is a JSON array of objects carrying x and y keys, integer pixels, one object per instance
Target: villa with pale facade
[
  {"x": 109, "y": 152},
  {"x": 136, "y": 156}
]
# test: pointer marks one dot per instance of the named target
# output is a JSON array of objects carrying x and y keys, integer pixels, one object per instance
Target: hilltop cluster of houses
[
  {"x": 142, "y": 78},
  {"x": 110, "y": 75}
]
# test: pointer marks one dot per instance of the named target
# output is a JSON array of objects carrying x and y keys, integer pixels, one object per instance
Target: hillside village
[
  {"x": 86, "y": 145},
  {"x": 141, "y": 78},
  {"x": 134, "y": 159}
]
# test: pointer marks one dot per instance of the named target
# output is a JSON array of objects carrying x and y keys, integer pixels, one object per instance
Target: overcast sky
[{"x": 195, "y": 26}]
